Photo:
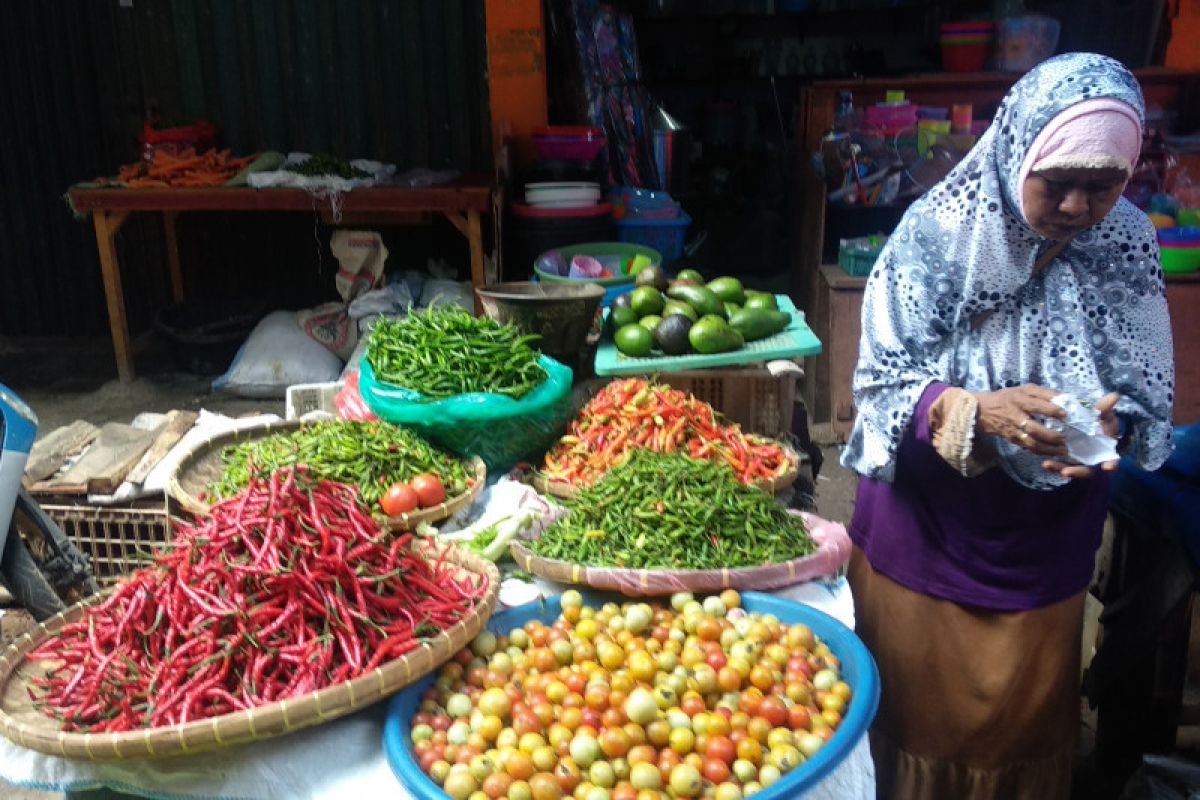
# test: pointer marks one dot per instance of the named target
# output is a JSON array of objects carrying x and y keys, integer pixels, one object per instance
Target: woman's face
[{"x": 1060, "y": 203}]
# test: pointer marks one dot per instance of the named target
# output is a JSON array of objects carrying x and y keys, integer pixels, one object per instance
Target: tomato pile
[
  {"x": 631, "y": 702},
  {"x": 423, "y": 491}
]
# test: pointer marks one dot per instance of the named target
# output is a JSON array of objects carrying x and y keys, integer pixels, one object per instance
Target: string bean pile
[
  {"x": 445, "y": 351},
  {"x": 669, "y": 511},
  {"x": 285, "y": 589},
  {"x": 369, "y": 455},
  {"x": 325, "y": 164}
]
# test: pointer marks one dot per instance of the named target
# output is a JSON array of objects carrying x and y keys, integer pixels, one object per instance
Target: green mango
[
  {"x": 760, "y": 300},
  {"x": 728, "y": 289},
  {"x": 759, "y": 323},
  {"x": 690, "y": 275},
  {"x": 700, "y": 298},
  {"x": 712, "y": 334},
  {"x": 679, "y": 307}
]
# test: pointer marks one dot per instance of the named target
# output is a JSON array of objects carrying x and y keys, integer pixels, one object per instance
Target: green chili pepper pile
[
  {"x": 667, "y": 511},
  {"x": 369, "y": 455},
  {"x": 445, "y": 351}
]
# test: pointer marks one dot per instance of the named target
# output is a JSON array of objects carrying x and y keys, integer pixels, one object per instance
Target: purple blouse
[{"x": 984, "y": 541}]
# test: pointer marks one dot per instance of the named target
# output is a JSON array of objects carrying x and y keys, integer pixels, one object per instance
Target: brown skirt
[{"x": 975, "y": 704}]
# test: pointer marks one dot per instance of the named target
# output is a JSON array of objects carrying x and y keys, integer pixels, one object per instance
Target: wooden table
[{"x": 461, "y": 202}]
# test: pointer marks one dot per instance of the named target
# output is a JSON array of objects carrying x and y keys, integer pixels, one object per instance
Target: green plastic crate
[{"x": 858, "y": 256}]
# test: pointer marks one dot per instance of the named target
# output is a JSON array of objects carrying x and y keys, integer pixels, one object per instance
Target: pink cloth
[{"x": 1101, "y": 133}]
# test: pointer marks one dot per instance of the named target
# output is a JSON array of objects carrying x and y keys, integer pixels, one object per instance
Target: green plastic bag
[{"x": 500, "y": 430}]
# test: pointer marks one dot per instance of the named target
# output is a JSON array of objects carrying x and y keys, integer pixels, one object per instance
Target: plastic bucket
[
  {"x": 1025, "y": 42},
  {"x": 965, "y": 57}
]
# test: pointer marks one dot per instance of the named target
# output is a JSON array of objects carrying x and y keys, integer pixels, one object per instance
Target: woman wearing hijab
[{"x": 1021, "y": 276}]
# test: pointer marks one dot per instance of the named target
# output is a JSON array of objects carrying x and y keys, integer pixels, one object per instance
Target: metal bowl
[{"x": 560, "y": 313}]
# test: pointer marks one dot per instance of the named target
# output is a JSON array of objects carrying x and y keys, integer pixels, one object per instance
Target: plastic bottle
[{"x": 843, "y": 118}]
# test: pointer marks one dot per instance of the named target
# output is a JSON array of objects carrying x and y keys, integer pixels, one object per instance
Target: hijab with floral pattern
[{"x": 1093, "y": 321}]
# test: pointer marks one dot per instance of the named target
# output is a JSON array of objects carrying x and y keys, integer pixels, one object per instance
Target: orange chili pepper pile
[
  {"x": 182, "y": 170},
  {"x": 634, "y": 413}
]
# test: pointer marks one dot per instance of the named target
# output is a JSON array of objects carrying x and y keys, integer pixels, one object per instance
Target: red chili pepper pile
[
  {"x": 283, "y": 589},
  {"x": 633, "y": 413}
]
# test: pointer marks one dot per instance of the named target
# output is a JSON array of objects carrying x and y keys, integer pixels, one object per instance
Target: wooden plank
[
  {"x": 51, "y": 450},
  {"x": 468, "y": 192},
  {"x": 106, "y": 463},
  {"x": 171, "y": 431}
]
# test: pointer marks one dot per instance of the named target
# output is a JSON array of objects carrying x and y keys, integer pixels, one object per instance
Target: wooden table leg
[
  {"x": 470, "y": 227},
  {"x": 107, "y": 223},
  {"x": 475, "y": 240},
  {"x": 173, "y": 255}
]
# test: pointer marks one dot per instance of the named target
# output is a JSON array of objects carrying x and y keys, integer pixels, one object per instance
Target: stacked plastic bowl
[
  {"x": 568, "y": 142},
  {"x": 1180, "y": 249},
  {"x": 966, "y": 45}
]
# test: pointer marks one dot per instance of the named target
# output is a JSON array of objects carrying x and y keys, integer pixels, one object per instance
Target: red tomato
[
  {"x": 715, "y": 771},
  {"x": 716, "y": 660},
  {"x": 400, "y": 499},
  {"x": 720, "y": 748},
  {"x": 775, "y": 710},
  {"x": 798, "y": 718},
  {"x": 429, "y": 489}
]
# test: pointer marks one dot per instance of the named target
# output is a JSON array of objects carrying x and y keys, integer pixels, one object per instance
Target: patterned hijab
[{"x": 1094, "y": 320}]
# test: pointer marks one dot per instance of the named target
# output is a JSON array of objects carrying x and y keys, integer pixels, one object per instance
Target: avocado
[
  {"x": 650, "y": 322},
  {"x": 634, "y": 340},
  {"x": 689, "y": 275},
  {"x": 728, "y": 289},
  {"x": 731, "y": 309},
  {"x": 622, "y": 300},
  {"x": 679, "y": 307},
  {"x": 700, "y": 298},
  {"x": 711, "y": 334},
  {"x": 620, "y": 316},
  {"x": 646, "y": 300},
  {"x": 671, "y": 335},
  {"x": 760, "y": 300},
  {"x": 682, "y": 282},
  {"x": 652, "y": 275},
  {"x": 759, "y": 323}
]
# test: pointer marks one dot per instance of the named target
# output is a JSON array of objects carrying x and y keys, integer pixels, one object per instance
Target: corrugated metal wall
[{"x": 397, "y": 80}]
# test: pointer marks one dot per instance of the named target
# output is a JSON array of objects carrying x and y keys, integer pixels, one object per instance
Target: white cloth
[
  {"x": 377, "y": 172},
  {"x": 208, "y": 424},
  {"x": 345, "y": 758}
]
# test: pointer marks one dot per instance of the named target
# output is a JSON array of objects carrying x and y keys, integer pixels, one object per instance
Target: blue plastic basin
[{"x": 858, "y": 670}]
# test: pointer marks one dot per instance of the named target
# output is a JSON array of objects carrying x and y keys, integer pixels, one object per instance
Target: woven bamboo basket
[
  {"x": 202, "y": 467},
  {"x": 30, "y": 728},
  {"x": 565, "y": 490},
  {"x": 639, "y": 582}
]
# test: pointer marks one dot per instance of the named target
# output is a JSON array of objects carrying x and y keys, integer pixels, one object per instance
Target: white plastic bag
[{"x": 277, "y": 355}]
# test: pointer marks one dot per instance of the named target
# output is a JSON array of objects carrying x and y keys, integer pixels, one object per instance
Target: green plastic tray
[{"x": 794, "y": 341}]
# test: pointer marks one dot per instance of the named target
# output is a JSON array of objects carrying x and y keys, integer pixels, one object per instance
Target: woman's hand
[
  {"x": 1111, "y": 427},
  {"x": 1009, "y": 414}
]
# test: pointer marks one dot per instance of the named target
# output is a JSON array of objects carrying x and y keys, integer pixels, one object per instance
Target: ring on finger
[
  {"x": 1025, "y": 423},
  {"x": 1025, "y": 437}
]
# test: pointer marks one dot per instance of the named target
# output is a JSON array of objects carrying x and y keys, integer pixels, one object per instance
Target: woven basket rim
[
  {"x": 262, "y": 722},
  {"x": 564, "y": 490},
  {"x": 194, "y": 505},
  {"x": 637, "y": 581}
]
